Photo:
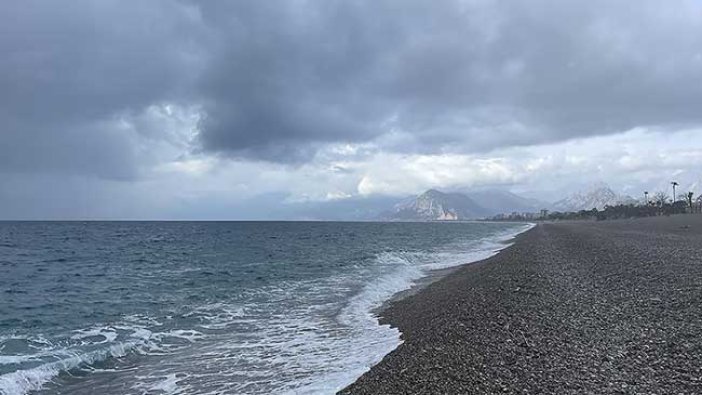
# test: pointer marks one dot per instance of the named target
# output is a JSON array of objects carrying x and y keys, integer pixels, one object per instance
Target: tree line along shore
[{"x": 659, "y": 204}]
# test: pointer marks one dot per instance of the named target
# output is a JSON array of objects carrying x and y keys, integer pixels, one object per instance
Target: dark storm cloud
[
  {"x": 69, "y": 71},
  {"x": 275, "y": 79},
  {"x": 287, "y": 74},
  {"x": 454, "y": 75}
]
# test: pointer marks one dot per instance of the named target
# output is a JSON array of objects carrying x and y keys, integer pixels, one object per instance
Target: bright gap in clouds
[
  {"x": 187, "y": 181},
  {"x": 627, "y": 161},
  {"x": 175, "y": 176}
]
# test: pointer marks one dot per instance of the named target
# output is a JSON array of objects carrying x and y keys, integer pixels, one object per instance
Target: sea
[{"x": 211, "y": 307}]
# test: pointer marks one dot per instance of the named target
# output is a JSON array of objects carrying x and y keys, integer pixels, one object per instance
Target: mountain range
[{"x": 434, "y": 205}]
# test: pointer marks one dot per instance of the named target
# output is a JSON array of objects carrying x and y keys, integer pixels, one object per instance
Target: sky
[{"x": 251, "y": 109}]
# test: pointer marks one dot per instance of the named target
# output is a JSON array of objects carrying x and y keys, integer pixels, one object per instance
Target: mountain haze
[{"x": 496, "y": 201}]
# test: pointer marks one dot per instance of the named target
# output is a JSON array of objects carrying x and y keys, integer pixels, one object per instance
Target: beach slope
[{"x": 589, "y": 307}]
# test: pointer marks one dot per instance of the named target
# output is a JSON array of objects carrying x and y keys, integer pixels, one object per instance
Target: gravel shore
[{"x": 612, "y": 307}]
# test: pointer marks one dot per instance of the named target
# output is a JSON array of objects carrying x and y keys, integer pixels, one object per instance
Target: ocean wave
[
  {"x": 24, "y": 381},
  {"x": 134, "y": 340}
]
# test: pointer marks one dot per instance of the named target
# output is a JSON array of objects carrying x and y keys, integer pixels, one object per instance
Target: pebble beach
[{"x": 611, "y": 307}]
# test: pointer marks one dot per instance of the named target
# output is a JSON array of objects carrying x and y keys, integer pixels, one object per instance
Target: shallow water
[{"x": 198, "y": 307}]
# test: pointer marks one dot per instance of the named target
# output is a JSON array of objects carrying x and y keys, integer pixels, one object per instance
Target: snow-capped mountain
[
  {"x": 598, "y": 196},
  {"x": 433, "y": 205}
]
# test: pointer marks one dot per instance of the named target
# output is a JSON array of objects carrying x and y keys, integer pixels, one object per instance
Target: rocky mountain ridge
[{"x": 433, "y": 205}]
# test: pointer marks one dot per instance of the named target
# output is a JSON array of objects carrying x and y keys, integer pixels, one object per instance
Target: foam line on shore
[{"x": 378, "y": 339}]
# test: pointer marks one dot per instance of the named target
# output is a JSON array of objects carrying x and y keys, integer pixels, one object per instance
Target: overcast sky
[{"x": 234, "y": 109}]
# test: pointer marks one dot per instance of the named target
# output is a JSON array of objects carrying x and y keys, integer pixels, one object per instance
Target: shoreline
[
  {"x": 596, "y": 307},
  {"x": 435, "y": 275}
]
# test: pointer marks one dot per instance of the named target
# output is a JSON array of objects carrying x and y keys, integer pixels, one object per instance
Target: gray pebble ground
[{"x": 612, "y": 307}]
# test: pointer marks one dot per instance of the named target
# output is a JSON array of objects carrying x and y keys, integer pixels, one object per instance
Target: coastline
[
  {"x": 591, "y": 307},
  {"x": 435, "y": 275}
]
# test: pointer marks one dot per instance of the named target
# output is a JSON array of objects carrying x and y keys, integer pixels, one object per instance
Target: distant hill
[
  {"x": 497, "y": 201},
  {"x": 598, "y": 196},
  {"x": 433, "y": 205}
]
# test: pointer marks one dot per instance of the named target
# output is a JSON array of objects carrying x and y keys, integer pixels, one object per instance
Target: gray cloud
[
  {"x": 460, "y": 75},
  {"x": 276, "y": 79},
  {"x": 69, "y": 72}
]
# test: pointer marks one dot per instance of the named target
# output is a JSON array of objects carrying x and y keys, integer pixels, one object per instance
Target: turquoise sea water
[{"x": 210, "y": 307}]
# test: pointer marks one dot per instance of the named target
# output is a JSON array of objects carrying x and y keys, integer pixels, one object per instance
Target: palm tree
[
  {"x": 674, "y": 183},
  {"x": 660, "y": 198}
]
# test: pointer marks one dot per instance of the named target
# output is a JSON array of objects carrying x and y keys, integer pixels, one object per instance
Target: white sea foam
[
  {"x": 187, "y": 335},
  {"x": 24, "y": 381},
  {"x": 137, "y": 339},
  {"x": 167, "y": 385},
  {"x": 103, "y": 334}
]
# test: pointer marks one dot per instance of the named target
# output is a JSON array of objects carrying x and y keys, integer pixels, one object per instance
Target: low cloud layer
[{"x": 120, "y": 93}]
